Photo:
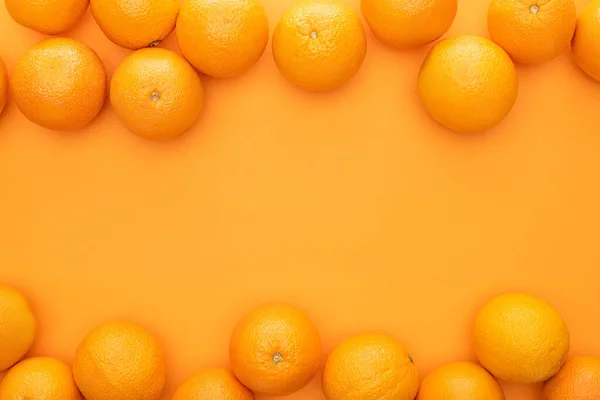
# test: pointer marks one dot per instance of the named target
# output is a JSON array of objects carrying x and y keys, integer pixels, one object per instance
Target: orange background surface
[{"x": 354, "y": 206}]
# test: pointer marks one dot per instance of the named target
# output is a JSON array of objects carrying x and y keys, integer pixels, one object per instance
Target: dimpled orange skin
[
  {"x": 222, "y": 38},
  {"x": 213, "y": 384},
  {"x": 319, "y": 45},
  {"x": 461, "y": 380},
  {"x": 3, "y": 85},
  {"x": 135, "y": 24},
  {"x": 586, "y": 42},
  {"x": 17, "y": 327},
  {"x": 59, "y": 84},
  {"x": 468, "y": 83},
  {"x": 370, "y": 367},
  {"x": 532, "y": 31},
  {"x": 275, "y": 350},
  {"x": 403, "y": 24},
  {"x": 156, "y": 94},
  {"x": 578, "y": 379},
  {"x": 50, "y": 17}
]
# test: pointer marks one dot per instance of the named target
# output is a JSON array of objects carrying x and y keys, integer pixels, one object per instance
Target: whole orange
[
  {"x": 17, "y": 327},
  {"x": 213, "y": 384},
  {"x": 370, "y": 367},
  {"x": 532, "y": 31},
  {"x": 400, "y": 23},
  {"x": 578, "y": 379},
  {"x": 119, "y": 360},
  {"x": 135, "y": 24},
  {"x": 586, "y": 42},
  {"x": 3, "y": 85},
  {"x": 156, "y": 94},
  {"x": 59, "y": 84},
  {"x": 49, "y": 17},
  {"x": 39, "y": 378},
  {"x": 275, "y": 350},
  {"x": 468, "y": 83},
  {"x": 319, "y": 45},
  {"x": 461, "y": 380},
  {"x": 222, "y": 38},
  {"x": 520, "y": 338}
]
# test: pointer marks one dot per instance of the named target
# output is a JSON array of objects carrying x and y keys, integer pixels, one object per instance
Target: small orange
[
  {"x": 39, "y": 378},
  {"x": 586, "y": 42},
  {"x": 3, "y": 85},
  {"x": 135, "y": 24},
  {"x": 461, "y": 380},
  {"x": 49, "y": 17},
  {"x": 213, "y": 384},
  {"x": 578, "y": 379},
  {"x": 520, "y": 338},
  {"x": 275, "y": 350},
  {"x": 59, "y": 84},
  {"x": 222, "y": 38},
  {"x": 532, "y": 31},
  {"x": 370, "y": 367},
  {"x": 156, "y": 94},
  {"x": 17, "y": 327},
  {"x": 319, "y": 45},
  {"x": 468, "y": 83},
  {"x": 119, "y": 360},
  {"x": 401, "y": 24}
]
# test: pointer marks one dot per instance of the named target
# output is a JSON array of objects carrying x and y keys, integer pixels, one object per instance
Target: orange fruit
[
  {"x": 17, "y": 327},
  {"x": 49, "y": 17},
  {"x": 461, "y": 380},
  {"x": 213, "y": 384},
  {"x": 39, "y": 378},
  {"x": 222, "y": 38},
  {"x": 520, "y": 338},
  {"x": 135, "y": 24},
  {"x": 59, "y": 84},
  {"x": 156, "y": 94},
  {"x": 532, "y": 31},
  {"x": 578, "y": 379},
  {"x": 468, "y": 83},
  {"x": 119, "y": 360},
  {"x": 319, "y": 45},
  {"x": 275, "y": 350},
  {"x": 401, "y": 24},
  {"x": 370, "y": 367},
  {"x": 3, "y": 85},
  {"x": 586, "y": 42}
]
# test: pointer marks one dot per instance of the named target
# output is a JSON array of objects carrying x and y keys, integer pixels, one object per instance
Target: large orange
[
  {"x": 468, "y": 83},
  {"x": 520, "y": 338},
  {"x": 17, "y": 327},
  {"x": 222, "y": 38},
  {"x": 578, "y": 379},
  {"x": 59, "y": 84},
  {"x": 275, "y": 349},
  {"x": 213, "y": 384},
  {"x": 49, "y": 17},
  {"x": 119, "y": 360},
  {"x": 370, "y": 367},
  {"x": 3, "y": 85},
  {"x": 532, "y": 31},
  {"x": 319, "y": 45},
  {"x": 156, "y": 94},
  {"x": 586, "y": 42}
]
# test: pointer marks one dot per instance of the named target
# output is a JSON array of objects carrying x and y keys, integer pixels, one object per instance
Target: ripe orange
[
  {"x": 520, "y": 338},
  {"x": 39, "y": 378},
  {"x": 49, "y": 17},
  {"x": 462, "y": 380},
  {"x": 59, "y": 84},
  {"x": 468, "y": 83},
  {"x": 578, "y": 379},
  {"x": 156, "y": 94},
  {"x": 275, "y": 350},
  {"x": 222, "y": 38},
  {"x": 370, "y": 367},
  {"x": 532, "y": 31},
  {"x": 400, "y": 23},
  {"x": 213, "y": 384},
  {"x": 586, "y": 42},
  {"x": 319, "y": 45},
  {"x": 135, "y": 24},
  {"x": 119, "y": 360},
  {"x": 3, "y": 85},
  {"x": 17, "y": 327}
]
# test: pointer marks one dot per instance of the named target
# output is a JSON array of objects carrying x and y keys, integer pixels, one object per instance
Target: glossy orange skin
[
  {"x": 18, "y": 327},
  {"x": 586, "y": 42},
  {"x": 3, "y": 85},
  {"x": 578, "y": 379},
  {"x": 50, "y": 17},
  {"x": 213, "y": 384}
]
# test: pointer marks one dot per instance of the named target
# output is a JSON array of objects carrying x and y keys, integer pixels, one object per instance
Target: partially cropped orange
[
  {"x": 17, "y": 327},
  {"x": 275, "y": 350},
  {"x": 3, "y": 85},
  {"x": 59, "y": 84},
  {"x": 213, "y": 384},
  {"x": 468, "y": 83},
  {"x": 50, "y": 17},
  {"x": 319, "y": 45},
  {"x": 135, "y": 24},
  {"x": 156, "y": 94},
  {"x": 119, "y": 360},
  {"x": 532, "y": 31},
  {"x": 586, "y": 42},
  {"x": 578, "y": 379},
  {"x": 222, "y": 38},
  {"x": 39, "y": 378},
  {"x": 400, "y": 23},
  {"x": 370, "y": 367}
]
